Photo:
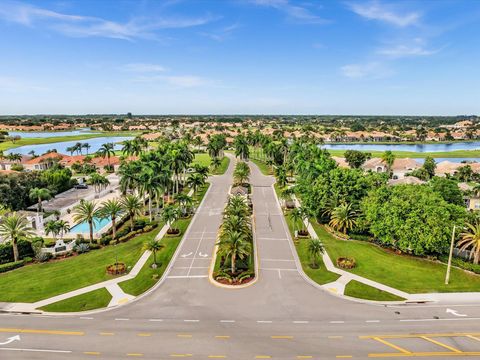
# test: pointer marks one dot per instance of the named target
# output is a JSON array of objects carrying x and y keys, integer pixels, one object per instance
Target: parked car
[{"x": 81, "y": 186}]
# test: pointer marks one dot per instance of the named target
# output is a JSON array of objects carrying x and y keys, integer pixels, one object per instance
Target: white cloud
[
  {"x": 399, "y": 51},
  {"x": 142, "y": 68},
  {"x": 87, "y": 26},
  {"x": 294, "y": 12},
  {"x": 221, "y": 34},
  {"x": 367, "y": 70},
  {"x": 375, "y": 10}
]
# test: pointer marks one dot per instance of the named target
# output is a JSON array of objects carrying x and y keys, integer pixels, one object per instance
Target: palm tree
[
  {"x": 343, "y": 218},
  {"x": 281, "y": 175},
  {"x": 39, "y": 194},
  {"x": 98, "y": 181},
  {"x": 63, "y": 228},
  {"x": 388, "y": 158},
  {"x": 132, "y": 205},
  {"x": 107, "y": 151},
  {"x": 71, "y": 150},
  {"x": 111, "y": 209},
  {"x": 153, "y": 246},
  {"x": 195, "y": 181},
  {"x": 86, "y": 211},
  {"x": 185, "y": 203},
  {"x": 241, "y": 173},
  {"x": 86, "y": 146},
  {"x": 170, "y": 214},
  {"x": 13, "y": 227},
  {"x": 236, "y": 207},
  {"x": 216, "y": 162},
  {"x": 470, "y": 239},
  {"x": 296, "y": 216},
  {"x": 241, "y": 147},
  {"x": 234, "y": 245},
  {"x": 52, "y": 227},
  {"x": 315, "y": 249},
  {"x": 131, "y": 147}
]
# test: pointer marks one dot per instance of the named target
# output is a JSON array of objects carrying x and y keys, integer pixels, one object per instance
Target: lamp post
[{"x": 449, "y": 265}]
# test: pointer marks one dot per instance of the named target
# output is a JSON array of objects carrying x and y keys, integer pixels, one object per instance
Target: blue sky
[{"x": 240, "y": 57}]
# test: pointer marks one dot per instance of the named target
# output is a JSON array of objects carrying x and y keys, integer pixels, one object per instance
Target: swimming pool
[{"x": 98, "y": 224}]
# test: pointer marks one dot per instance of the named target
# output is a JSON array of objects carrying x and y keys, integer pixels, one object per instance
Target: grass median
[{"x": 89, "y": 301}]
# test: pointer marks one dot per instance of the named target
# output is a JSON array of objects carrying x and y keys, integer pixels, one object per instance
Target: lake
[
  {"x": 47, "y": 134},
  {"x": 467, "y": 145},
  {"x": 62, "y": 146}
]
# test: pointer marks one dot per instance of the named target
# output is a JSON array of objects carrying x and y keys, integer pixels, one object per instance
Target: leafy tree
[
  {"x": 107, "y": 151},
  {"x": 470, "y": 240},
  {"x": 388, "y": 158},
  {"x": 14, "y": 227},
  {"x": 241, "y": 173},
  {"x": 170, "y": 215},
  {"x": 195, "y": 181},
  {"x": 356, "y": 158},
  {"x": 464, "y": 173},
  {"x": 430, "y": 165},
  {"x": 448, "y": 190}
]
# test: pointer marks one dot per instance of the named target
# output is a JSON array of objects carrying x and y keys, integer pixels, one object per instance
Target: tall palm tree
[
  {"x": 86, "y": 146},
  {"x": 296, "y": 217},
  {"x": 132, "y": 205},
  {"x": 98, "y": 181},
  {"x": 86, "y": 211},
  {"x": 131, "y": 148},
  {"x": 170, "y": 214},
  {"x": 153, "y": 246},
  {"x": 111, "y": 209},
  {"x": 52, "y": 227},
  {"x": 39, "y": 194},
  {"x": 107, "y": 151},
  {"x": 185, "y": 202},
  {"x": 343, "y": 218},
  {"x": 241, "y": 173},
  {"x": 470, "y": 239},
  {"x": 234, "y": 245},
  {"x": 216, "y": 162},
  {"x": 388, "y": 158},
  {"x": 63, "y": 228},
  {"x": 315, "y": 249},
  {"x": 14, "y": 227},
  {"x": 241, "y": 147},
  {"x": 195, "y": 181}
]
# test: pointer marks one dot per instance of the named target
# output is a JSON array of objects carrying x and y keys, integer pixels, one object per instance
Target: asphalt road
[{"x": 281, "y": 316}]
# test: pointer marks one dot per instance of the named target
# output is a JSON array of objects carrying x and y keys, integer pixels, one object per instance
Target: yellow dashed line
[
  {"x": 304, "y": 357},
  {"x": 222, "y": 337},
  {"x": 107, "y": 334},
  {"x": 184, "y": 335},
  {"x": 144, "y": 334},
  {"x": 217, "y": 356},
  {"x": 91, "y": 353},
  {"x": 135, "y": 354},
  {"x": 282, "y": 337},
  {"x": 344, "y": 356},
  {"x": 49, "y": 332},
  {"x": 263, "y": 357},
  {"x": 180, "y": 355}
]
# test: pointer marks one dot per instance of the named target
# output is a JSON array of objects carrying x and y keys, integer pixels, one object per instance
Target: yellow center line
[
  {"x": 304, "y": 357},
  {"x": 282, "y": 337},
  {"x": 144, "y": 334},
  {"x": 425, "y": 354},
  {"x": 392, "y": 345},
  {"x": 263, "y": 357},
  {"x": 91, "y": 353},
  {"x": 184, "y": 335},
  {"x": 216, "y": 356},
  {"x": 135, "y": 354},
  {"x": 473, "y": 337},
  {"x": 441, "y": 344},
  {"x": 222, "y": 337},
  {"x": 180, "y": 355},
  {"x": 107, "y": 333},
  {"x": 344, "y": 356},
  {"x": 402, "y": 336},
  {"x": 48, "y": 332}
]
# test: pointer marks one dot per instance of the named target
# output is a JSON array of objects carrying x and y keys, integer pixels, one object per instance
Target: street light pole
[{"x": 449, "y": 265}]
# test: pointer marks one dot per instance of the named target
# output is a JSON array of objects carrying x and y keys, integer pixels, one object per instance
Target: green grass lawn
[
  {"x": 89, "y": 301},
  {"x": 413, "y": 154},
  {"x": 358, "y": 290},
  {"x": 147, "y": 277},
  {"x": 223, "y": 166},
  {"x": 205, "y": 160},
  {"x": 54, "y": 139},
  {"x": 406, "y": 273},
  {"x": 264, "y": 168},
  {"x": 40, "y": 281}
]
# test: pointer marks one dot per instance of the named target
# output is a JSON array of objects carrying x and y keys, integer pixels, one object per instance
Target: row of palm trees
[{"x": 78, "y": 148}]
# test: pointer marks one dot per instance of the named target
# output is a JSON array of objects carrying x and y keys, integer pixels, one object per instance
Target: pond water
[
  {"x": 454, "y": 160},
  {"x": 46, "y": 134},
  {"x": 467, "y": 145},
  {"x": 62, "y": 146},
  {"x": 83, "y": 227}
]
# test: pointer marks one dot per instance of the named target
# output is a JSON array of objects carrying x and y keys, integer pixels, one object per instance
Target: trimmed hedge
[
  {"x": 11, "y": 266},
  {"x": 462, "y": 264},
  {"x": 24, "y": 250}
]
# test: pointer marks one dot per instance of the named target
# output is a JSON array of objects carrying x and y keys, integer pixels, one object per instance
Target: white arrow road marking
[
  {"x": 453, "y": 312},
  {"x": 185, "y": 255},
  {"x": 11, "y": 339},
  {"x": 202, "y": 255}
]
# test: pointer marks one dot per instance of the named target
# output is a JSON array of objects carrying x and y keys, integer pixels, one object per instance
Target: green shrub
[
  {"x": 11, "y": 266},
  {"x": 24, "y": 250},
  {"x": 466, "y": 265}
]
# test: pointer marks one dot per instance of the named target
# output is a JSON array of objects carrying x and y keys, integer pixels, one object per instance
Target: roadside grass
[
  {"x": 41, "y": 281},
  {"x": 148, "y": 277},
  {"x": 362, "y": 291},
  {"x": 89, "y": 301},
  {"x": 54, "y": 139},
  {"x": 202, "y": 159},
  {"x": 205, "y": 160},
  {"x": 413, "y": 154},
  {"x": 406, "y": 273},
  {"x": 264, "y": 168},
  {"x": 223, "y": 166}
]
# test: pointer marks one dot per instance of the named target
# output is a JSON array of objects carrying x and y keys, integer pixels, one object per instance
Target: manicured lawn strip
[
  {"x": 89, "y": 301},
  {"x": 202, "y": 159},
  {"x": 407, "y": 273},
  {"x": 147, "y": 277},
  {"x": 358, "y": 290},
  {"x": 54, "y": 139},
  {"x": 413, "y": 154},
  {"x": 321, "y": 275},
  {"x": 264, "y": 168},
  {"x": 40, "y": 281},
  {"x": 223, "y": 166}
]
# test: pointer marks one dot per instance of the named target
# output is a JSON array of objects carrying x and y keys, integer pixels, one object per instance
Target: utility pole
[{"x": 449, "y": 265}]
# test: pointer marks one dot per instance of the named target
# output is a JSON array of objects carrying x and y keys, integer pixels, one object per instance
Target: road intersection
[{"x": 281, "y": 316}]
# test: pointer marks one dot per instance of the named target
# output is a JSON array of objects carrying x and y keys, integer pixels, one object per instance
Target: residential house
[{"x": 400, "y": 167}]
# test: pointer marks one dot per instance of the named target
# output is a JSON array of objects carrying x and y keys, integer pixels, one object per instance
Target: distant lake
[
  {"x": 454, "y": 160},
  {"x": 472, "y": 145},
  {"x": 46, "y": 134},
  {"x": 61, "y": 147}
]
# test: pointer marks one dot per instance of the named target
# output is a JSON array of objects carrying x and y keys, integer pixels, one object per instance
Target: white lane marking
[
  {"x": 121, "y": 319},
  {"x": 202, "y": 255},
  {"x": 158, "y": 320},
  {"x": 196, "y": 251},
  {"x": 264, "y": 321},
  {"x": 227, "y": 321},
  {"x": 11, "y": 339},
  {"x": 86, "y": 318},
  {"x": 188, "y": 320},
  {"x": 451, "y": 319},
  {"x": 185, "y": 255},
  {"x": 300, "y": 322},
  {"x": 337, "y": 322},
  {"x": 453, "y": 312},
  {"x": 38, "y": 350},
  {"x": 372, "y": 321},
  {"x": 186, "y": 276},
  {"x": 276, "y": 260},
  {"x": 193, "y": 267},
  {"x": 279, "y": 274},
  {"x": 276, "y": 269}
]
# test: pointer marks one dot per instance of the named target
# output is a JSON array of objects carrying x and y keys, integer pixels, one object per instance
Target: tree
[
  {"x": 98, "y": 181},
  {"x": 470, "y": 240},
  {"x": 111, "y": 209},
  {"x": 153, "y": 246},
  {"x": 388, "y": 158},
  {"x": 241, "y": 173},
  {"x": 355, "y": 158},
  {"x": 185, "y": 203},
  {"x": 40, "y": 194},
  {"x": 430, "y": 165},
  {"x": 296, "y": 217},
  {"x": 281, "y": 175},
  {"x": 464, "y": 173},
  {"x": 315, "y": 249},
  {"x": 343, "y": 218},
  {"x": 14, "y": 227},
  {"x": 241, "y": 147},
  {"x": 132, "y": 205},
  {"x": 52, "y": 227},
  {"x": 86, "y": 211},
  {"x": 170, "y": 214},
  {"x": 195, "y": 181},
  {"x": 216, "y": 162},
  {"x": 448, "y": 190},
  {"x": 63, "y": 228},
  {"x": 234, "y": 245},
  {"x": 107, "y": 151}
]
